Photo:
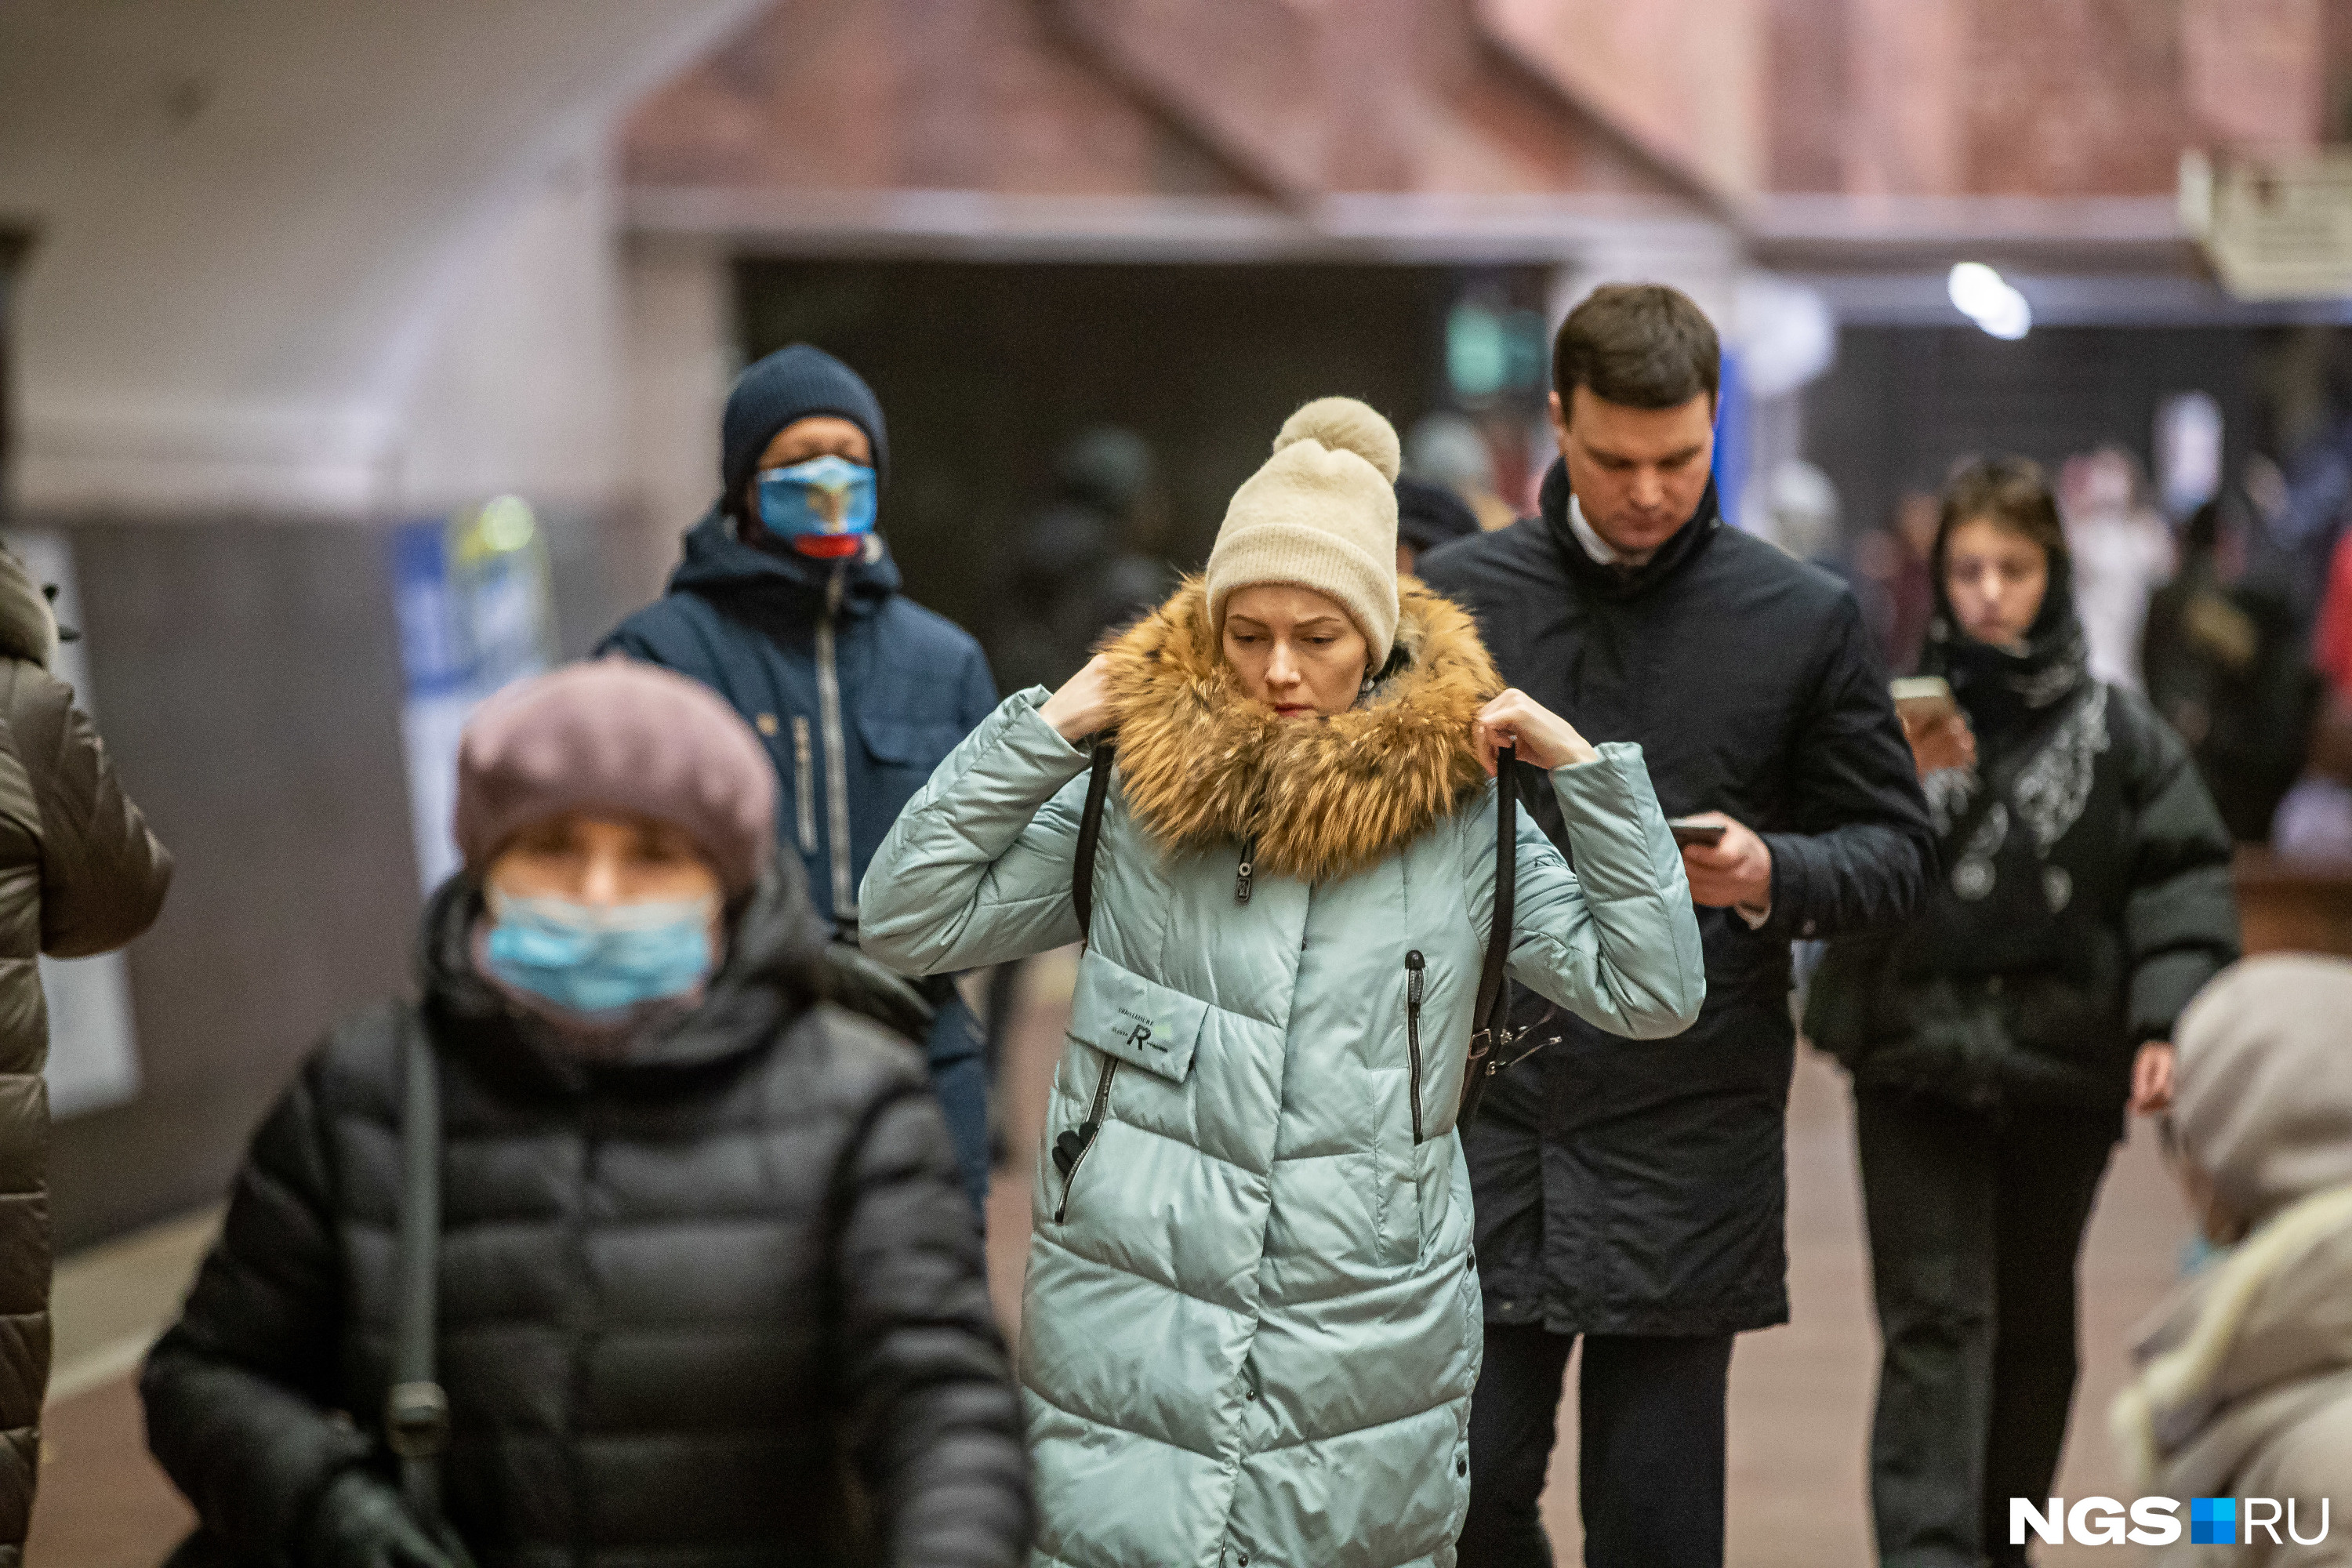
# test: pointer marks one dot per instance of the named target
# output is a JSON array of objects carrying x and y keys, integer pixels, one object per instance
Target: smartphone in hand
[
  {"x": 1923, "y": 700},
  {"x": 1689, "y": 830}
]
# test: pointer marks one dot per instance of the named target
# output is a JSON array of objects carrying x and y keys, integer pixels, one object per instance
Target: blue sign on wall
[{"x": 471, "y": 595}]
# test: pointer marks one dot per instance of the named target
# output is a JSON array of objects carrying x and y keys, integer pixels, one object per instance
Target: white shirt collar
[{"x": 1599, "y": 549}]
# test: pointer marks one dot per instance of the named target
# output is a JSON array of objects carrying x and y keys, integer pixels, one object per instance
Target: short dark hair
[
  {"x": 2010, "y": 492},
  {"x": 1641, "y": 344}
]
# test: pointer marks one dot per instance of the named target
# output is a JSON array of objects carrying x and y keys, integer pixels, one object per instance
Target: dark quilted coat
[
  {"x": 80, "y": 874},
  {"x": 720, "y": 1304},
  {"x": 2088, "y": 898},
  {"x": 1643, "y": 1192},
  {"x": 857, "y": 692}
]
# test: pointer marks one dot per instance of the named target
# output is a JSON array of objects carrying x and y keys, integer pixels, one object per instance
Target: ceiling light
[{"x": 1986, "y": 298}]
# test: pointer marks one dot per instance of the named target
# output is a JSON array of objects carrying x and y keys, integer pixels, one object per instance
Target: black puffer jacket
[
  {"x": 1640, "y": 1191},
  {"x": 723, "y": 1303},
  {"x": 2085, "y": 896}
]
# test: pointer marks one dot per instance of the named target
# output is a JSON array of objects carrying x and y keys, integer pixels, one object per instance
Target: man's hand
[
  {"x": 1082, "y": 707},
  {"x": 2152, "y": 1079},
  {"x": 1947, "y": 743},
  {"x": 1542, "y": 736},
  {"x": 359, "y": 1521},
  {"x": 1736, "y": 873}
]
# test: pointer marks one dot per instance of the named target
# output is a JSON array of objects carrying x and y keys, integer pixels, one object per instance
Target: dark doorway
[
  {"x": 1902, "y": 403},
  {"x": 985, "y": 369}
]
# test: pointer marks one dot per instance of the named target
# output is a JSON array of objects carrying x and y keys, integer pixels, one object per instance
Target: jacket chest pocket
[
  {"x": 1135, "y": 1020},
  {"x": 903, "y": 753},
  {"x": 1130, "y": 1022}
]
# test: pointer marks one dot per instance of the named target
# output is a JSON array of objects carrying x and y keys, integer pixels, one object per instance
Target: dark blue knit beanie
[
  {"x": 789, "y": 385},
  {"x": 1430, "y": 514}
]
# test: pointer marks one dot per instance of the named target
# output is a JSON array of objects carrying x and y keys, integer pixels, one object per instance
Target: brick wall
[
  {"x": 2043, "y": 98},
  {"x": 1138, "y": 97},
  {"x": 975, "y": 94}
]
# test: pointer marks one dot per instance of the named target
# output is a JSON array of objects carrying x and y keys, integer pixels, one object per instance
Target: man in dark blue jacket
[
  {"x": 1633, "y": 1195},
  {"x": 787, "y": 605}
]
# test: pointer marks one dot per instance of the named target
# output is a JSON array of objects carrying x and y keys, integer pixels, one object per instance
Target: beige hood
[
  {"x": 27, "y": 628},
  {"x": 2254, "y": 1354}
]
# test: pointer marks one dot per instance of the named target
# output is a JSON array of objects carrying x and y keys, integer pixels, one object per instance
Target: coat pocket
[
  {"x": 1413, "y": 965},
  {"x": 1075, "y": 1144},
  {"x": 1137, "y": 1021},
  {"x": 899, "y": 742}
]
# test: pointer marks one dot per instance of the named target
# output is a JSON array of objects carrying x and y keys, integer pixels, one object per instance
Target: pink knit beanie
[{"x": 618, "y": 736}]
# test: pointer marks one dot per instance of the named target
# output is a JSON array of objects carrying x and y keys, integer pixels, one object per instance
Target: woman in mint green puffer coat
[{"x": 1251, "y": 1323}]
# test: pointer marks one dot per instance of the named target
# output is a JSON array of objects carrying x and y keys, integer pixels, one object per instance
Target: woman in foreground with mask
[
  {"x": 702, "y": 1252},
  {"x": 1252, "y": 1324}
]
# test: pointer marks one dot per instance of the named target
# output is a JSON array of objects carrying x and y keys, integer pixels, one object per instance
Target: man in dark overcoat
[{"x": 1633, "y": 1195}]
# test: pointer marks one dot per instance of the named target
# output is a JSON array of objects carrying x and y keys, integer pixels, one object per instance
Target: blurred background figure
[
  {"x": 1079, "y": 568},
  {"x": 2244, "y": 1384},
  {"x": 1996, "y": 1039},
  {"x": 1912, "y": 584},
  {"x": 704, "y": 1288},
  {"x": 1080, "y": 565},
  {"x": 2332, "y": 638},
  {"x": 2225, "y": 664},
  {"x": 1802, "y": 512},
  {"x": 1448, "y": 448},
  {"x": 2122, "y": 555},
  {"x": 1874, "y": 569},
  {"x": 1800, "y": 516},
  {"x": 1428, "y": 514},
  {"x": 80, "y": 874}
]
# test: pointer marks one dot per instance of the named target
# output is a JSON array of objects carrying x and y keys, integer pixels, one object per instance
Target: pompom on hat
[
  {"x": 619, "y": 737},
  {"x": 1321, "y": 514}
]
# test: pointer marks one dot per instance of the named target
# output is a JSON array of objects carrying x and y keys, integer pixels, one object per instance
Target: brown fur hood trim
[{"x": 1201, "y": 765}]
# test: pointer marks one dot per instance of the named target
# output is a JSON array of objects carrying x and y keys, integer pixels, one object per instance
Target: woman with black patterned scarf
[{"x": 1996, "y": 1040}]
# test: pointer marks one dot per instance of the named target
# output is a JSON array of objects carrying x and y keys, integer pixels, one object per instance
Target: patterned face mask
[
  {"x": 597, "y": 958},
  {"x": 828, "y": 497}
]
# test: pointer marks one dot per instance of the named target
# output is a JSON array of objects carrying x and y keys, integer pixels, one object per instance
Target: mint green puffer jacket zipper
[{"x": 1251, "y": 1323}]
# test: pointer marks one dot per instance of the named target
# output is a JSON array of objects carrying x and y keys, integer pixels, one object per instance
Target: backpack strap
[
  {"x": 417, "y": 1409},
  {"x": 1490, "y": 1017},
  {"x": 1082, "y": 870}
]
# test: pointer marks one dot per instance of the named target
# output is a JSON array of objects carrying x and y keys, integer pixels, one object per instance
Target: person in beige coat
[
  {"x": 2245, "y": 1384},
  {"x": 80, "y": 874}
]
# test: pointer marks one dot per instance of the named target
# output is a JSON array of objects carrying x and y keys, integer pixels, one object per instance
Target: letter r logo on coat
[{"x": 2213, "y": 1521}]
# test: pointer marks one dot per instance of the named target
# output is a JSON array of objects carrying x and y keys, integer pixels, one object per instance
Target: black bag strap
[
  {"x": 1491, "y": 1016},
  {"x": 417, "y": 1409},
  {"x": 1082, "y": 872}
]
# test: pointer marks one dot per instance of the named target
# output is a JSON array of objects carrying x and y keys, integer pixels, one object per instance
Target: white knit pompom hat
[{"x": 1321, "y": 514}]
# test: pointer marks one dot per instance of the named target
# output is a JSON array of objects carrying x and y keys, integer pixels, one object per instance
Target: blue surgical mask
[
  {"x": 597, "y": 958},
  {"x": 827, "y": 495}
]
